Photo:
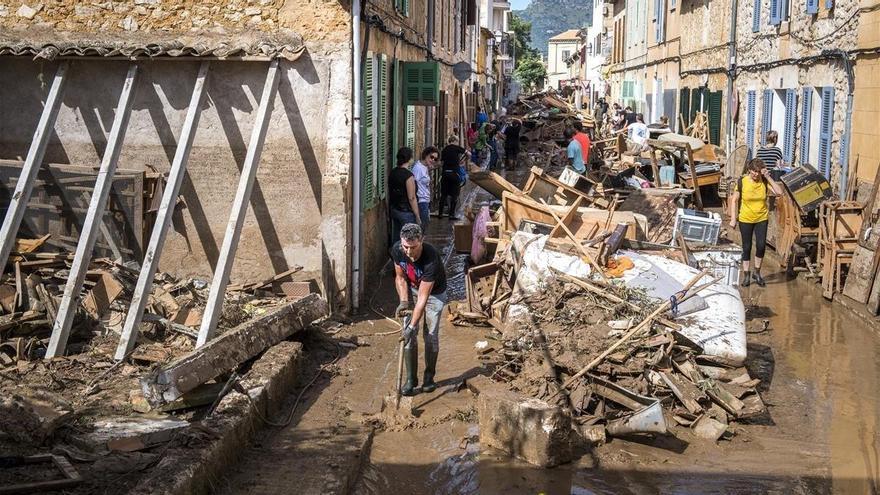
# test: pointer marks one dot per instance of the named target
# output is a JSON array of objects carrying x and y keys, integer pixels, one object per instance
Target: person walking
[
  {"x": 402, "y": 199},
  {"x": 573, "y": 151},
  {"x": 450, "y": 181},
  {"x": 421, "y": 171},
  {"x": 511, "y": 144},
  {"x": 749, "y": 205},
  {"x": 770, "y": 154},
  {"x": 419, "y": 276}
]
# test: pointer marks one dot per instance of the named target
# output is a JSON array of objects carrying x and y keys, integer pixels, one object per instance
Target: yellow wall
[{"x": 866, "y": 104}]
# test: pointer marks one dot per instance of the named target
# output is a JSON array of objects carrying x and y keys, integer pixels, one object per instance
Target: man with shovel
[{"x": 420, "y": 277}]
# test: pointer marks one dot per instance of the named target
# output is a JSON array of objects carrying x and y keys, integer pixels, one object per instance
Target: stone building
[
  {"x": 866, "y": 101},
  {"x": 794, "y": 75},
  {"x": 302, "y": 209},
  {"x": 560, "y": 49}
]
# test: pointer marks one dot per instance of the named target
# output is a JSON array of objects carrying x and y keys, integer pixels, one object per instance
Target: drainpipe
[
  {"x": 847, "y": 124},
  {"x": 356, "y": 257},
  {"x": 731, "y": 71},
  {"x": 429, "y": 111}
]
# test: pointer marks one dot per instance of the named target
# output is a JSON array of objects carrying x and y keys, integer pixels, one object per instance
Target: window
[
  {"x": 421, "y": 83},
  {"x": 788, "y": 131},
  {"x": 565, "y": 55},
  {"x": 751, "y": 102},
  {"x": 628, "y": 87},
  {"x": 806, "y": 110},
  {"x": 812, "y": 6},
  {"x": 660, "y": 18},
  {"x": 402, "y": 6},
  {"x": 368, "y": 133},
  {"x": 826, "y": 126},
  {"x": 756, "y": 17},
  {"x": 778, "y": 12}
]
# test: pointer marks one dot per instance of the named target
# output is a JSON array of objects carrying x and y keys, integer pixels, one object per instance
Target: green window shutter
[
  {"x": 714, "y": 98},
  {"x": 410, "y": 141},
  {"x": 405, "y": 7},
  {"x": 684, "y": 102},
  {"x": 368, "y": 151},
  {"x": 421, "y": 83},
  {"x": 382, "y": 168},
  {"x": 695, "y": 104}
]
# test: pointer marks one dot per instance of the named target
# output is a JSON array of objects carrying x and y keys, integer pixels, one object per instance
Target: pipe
[
  {"x": 429, "y": 111},
  {"x": 847, "y": 124},
  {"x": 731, "y": 74},
  {"x": 356, "y": 154}
]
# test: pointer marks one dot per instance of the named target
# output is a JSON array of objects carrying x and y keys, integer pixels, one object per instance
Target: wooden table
[{"x": 702, "y": 180}]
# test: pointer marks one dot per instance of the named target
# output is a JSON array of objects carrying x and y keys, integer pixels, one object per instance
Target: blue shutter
[
  {"x": 805, "y": 125},
  {"x": 790, "y": 112},
  {"x": 751, "y": 100},
  {"x": 826, "y": 125},
  {"x": 812, "y": 6},
  {"x": 829, "y": 4},
  {"x": 659, "y": 16},
  {"x": 671, "y": 4},
  {"x": 775, "y": 18},
  {"x": 766, "y": 114},
  {"x": 756, "y": 17},
  {"x": 844, "y": 164}
]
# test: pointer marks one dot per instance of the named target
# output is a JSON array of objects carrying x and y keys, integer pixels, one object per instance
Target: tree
[
  {"x": 531, "y": 72},
  {"x": 522, "y": 36}
]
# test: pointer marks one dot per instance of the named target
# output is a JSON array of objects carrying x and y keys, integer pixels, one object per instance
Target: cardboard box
[{"x": 464, "y": 236}]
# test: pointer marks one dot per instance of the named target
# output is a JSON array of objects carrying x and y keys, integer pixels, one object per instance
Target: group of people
[{"x": 492, "y": 141}]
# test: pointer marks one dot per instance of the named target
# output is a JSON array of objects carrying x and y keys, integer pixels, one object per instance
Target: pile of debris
[
  {"x": 545, "y": 116},
  {"x": 598, "y": 327}
]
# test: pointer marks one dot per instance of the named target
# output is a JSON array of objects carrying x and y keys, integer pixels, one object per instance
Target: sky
[{"x": 518, "y": 4}]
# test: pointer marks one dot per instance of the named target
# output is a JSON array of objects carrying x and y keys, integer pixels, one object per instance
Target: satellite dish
[{"x": 462, "y": 71}]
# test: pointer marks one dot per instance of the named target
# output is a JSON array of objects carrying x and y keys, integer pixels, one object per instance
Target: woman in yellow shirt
[{"x": 751, "y": 208}]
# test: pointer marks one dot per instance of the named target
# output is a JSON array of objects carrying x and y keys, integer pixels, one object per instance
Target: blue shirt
[{"x": 576, "y": 156}]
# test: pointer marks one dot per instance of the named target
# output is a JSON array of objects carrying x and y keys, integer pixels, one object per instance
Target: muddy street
[{"x": 815, "y": 360}]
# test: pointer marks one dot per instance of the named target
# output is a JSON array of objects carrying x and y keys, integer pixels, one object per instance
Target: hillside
[{"x": 551, "y": 17}]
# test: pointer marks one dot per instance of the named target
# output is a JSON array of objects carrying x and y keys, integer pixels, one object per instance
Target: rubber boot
[
  {"x": 411, "y": 361},
  {"x": 430, "y": 368},
  {"x": 745, "y": 279},
  {"x": 756, "y": 276}
]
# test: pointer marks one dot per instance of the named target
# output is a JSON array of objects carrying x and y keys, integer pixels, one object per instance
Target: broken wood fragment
[{"x": 229, "y": 350}]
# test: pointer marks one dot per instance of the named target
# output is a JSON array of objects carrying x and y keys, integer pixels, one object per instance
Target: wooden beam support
[
  {"x": 214, "y": 304},
  {"x": 693, "y": 171},
  {"x": 25, "y": 184},
  {"x": 228, "y": 351},
  {"x": 163, "y": 217},
  {"x": 94, "y": 219}
]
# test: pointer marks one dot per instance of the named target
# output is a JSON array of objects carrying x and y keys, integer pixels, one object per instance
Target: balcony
[{"x": 500, "y": 4}]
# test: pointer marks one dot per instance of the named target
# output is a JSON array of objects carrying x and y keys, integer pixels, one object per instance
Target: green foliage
[
  {"x": 522, "y": 36},
  {"x": 551, "y": 17},
  {"x": 531, "y": 73}
]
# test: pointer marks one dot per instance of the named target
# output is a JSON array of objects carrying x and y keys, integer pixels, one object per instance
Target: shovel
[{"x": 399, "y": 382}]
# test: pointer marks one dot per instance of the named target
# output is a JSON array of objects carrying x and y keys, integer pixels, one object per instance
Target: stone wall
[
  {"x": 299, "y": 212},
  {"x": 801, "y": 36}
]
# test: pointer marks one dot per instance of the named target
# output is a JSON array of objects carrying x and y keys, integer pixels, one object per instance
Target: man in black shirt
[
  {"x": 419, "y": 275},
  {"x": 450, "y": 181}
]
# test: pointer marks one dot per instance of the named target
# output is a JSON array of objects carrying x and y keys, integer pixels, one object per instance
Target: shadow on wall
[{"x": 161, "y": 100}]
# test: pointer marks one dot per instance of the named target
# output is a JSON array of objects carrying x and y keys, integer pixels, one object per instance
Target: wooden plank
[
  {"x": 229, "y": 350},
  {"x": 214, "y": 304},
  {"x": 94, "y": 219},
  {"x": 25, "y": 185},
  {"x": 861, "y": 272},
  {"x": 690, "y": 162},
  {"x": 493, "y": 183},
  {"x": 163, "y": 216}
]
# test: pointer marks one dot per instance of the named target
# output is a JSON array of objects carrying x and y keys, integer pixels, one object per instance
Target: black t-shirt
[
  {"x": 451, "y": 157},
  {"x": 397, "y": 197},
  {"x": 428, "y": 268},
  {"x": 629, "y": 117}
]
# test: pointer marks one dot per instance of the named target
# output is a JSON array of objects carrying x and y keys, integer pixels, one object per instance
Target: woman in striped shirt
[{"x": 770, "y": 154}]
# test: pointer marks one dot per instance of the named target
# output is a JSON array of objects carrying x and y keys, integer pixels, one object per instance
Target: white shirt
[
  {"x": 638, "y": 133},
  {"x": 423, "y": 182}
]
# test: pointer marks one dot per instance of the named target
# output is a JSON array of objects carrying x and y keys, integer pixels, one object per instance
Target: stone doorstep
[{"x": 269, "y": 382}]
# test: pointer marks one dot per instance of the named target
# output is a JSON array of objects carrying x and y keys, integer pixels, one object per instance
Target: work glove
[
  {"x": 403, "y": 308},
  {"x": 409, "y": 332}
]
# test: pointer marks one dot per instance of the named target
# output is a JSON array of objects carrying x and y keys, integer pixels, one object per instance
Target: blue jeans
[
  {"x": 430, "y": 322},
  {"x": 398, "y": 220},
  {"x": 425, "y": 213}
]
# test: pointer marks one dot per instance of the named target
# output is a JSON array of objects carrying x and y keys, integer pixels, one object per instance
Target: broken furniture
[
  {"x": 69, "y": 476},
  {"x": 839, "y": 225}
]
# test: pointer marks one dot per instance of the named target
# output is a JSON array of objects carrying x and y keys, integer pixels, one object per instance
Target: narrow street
[{"x": 819, "y": 380}]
